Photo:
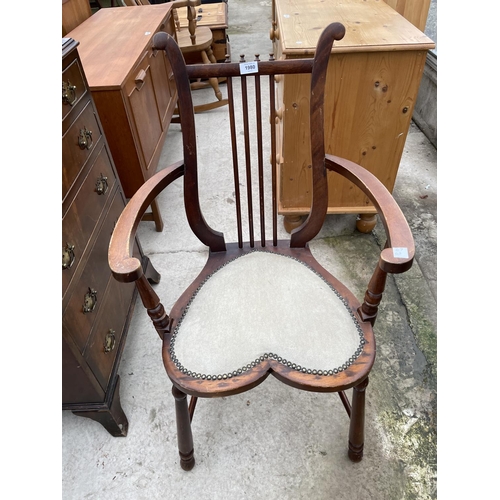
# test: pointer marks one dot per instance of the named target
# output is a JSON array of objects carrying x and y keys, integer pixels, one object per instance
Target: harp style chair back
[{"x": 261, "y": 305}]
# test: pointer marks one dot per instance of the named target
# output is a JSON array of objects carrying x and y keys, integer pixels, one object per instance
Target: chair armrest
[
  {"x": 124, "y": 266},
  {"x": 398, "y": 255}
]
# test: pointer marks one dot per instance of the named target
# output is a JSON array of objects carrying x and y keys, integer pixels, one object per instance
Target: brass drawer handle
[
  {"x": 68, "y": 256},
  {"x": 85, "y": 138},
  {"x": 89, "y": 301},
  {"x": 101, "y": 185},
  {"x": 68, "y": 93},
  {"x": 109, "y": 341}
]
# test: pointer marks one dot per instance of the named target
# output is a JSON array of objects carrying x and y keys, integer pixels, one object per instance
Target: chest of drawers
[
  {"x": 132, "y": 86},
  {"x": 96, "y": 309},
  {"x": 372, "y": 85}
]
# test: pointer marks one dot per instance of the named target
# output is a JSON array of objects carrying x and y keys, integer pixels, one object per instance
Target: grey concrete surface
[
  {"x": 431, "y": 24},
  {"x": 425, "y": 110},
  {"x": 275, "y": 442}
]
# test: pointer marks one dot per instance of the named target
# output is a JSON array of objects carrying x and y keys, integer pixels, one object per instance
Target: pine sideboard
[
  {"x": 132, "y": 86},
  {"x": 372, "y": 85}
]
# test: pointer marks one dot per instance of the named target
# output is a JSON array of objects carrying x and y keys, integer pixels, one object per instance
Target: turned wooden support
[
  {"x": 192, "y": 407},
  {"x": 184, "y": 434},
  {"x": 373, "y": 296},
  {"x": 345, "y": 402},
  {"x": 151, "y": 301},
  {"x": 207, "y": 56},
  {"x": 177, "y": 21},
  {"x": 291, "y": 222},
  {"x": 191, "y": 15},
  {"x": 154, "y": 216},
  {"x": 366, "y": 222},
  {"x": 357, "y": 426}
]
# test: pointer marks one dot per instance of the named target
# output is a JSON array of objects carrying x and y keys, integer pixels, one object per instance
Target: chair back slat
[
  {"x": 272, "y": 99},
  {"x": 260, "y": 157},
  {"x": 258, "y": 138},
  {"x": 248, "y": 162},
  {"x": 234, "y": 150}
]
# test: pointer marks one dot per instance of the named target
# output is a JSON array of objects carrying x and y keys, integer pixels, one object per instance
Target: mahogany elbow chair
[{"x": 213, "y": 345}]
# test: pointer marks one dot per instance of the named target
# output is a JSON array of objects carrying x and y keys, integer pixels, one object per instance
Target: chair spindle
[
  {"x": 272, "y": 101},
  {"x": 248, "y": 163},
  {"x": 260, "y": 155},
  {"x": 234, "y": 147}
]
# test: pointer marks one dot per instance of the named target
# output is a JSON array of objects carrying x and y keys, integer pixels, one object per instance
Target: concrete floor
[{"x": 275, "y": 442}]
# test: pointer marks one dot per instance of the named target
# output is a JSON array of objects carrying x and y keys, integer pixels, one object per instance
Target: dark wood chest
[{"x": 96, "y": 309}]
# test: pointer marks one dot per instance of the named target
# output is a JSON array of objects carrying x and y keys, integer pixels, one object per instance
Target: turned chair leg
[
  {"x": 357, "y": 426},
  {"x": 184, "y": 434},
  {"x": 214, "y": 82}
]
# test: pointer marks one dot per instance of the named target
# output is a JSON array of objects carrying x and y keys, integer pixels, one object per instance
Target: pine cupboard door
[{"x": 144, "y": 112}]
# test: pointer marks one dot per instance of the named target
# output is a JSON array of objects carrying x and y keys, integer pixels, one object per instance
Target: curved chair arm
[
  {"x": 398, "y": 255},
  {"x": 124, "y": 266}
]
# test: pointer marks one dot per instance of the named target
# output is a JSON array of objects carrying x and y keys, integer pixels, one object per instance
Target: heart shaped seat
[{"x": 265, "y": 306}]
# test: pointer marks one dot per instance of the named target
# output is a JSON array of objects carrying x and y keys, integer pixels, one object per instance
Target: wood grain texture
[
  {"x": 416, "y": 11},
  {"x": 372, "y": 84},
  {"x": 132, "y": 87},
  {"x": 213, "y": 15},
  {"x": 74, "y": 12},
  {"x": 113, "y": 38},
  {"x": 371, "y": 25}
]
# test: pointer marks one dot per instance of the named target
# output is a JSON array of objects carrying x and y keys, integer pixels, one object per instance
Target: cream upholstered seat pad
[{"x": 263, "y": 305}]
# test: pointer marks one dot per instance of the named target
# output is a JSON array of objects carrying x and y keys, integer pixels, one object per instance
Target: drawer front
[
  {"x": 73, "y": 88},
  {"x": 87, "y": 296},
  {"x": 78, "y": 143},
  {"x": 80, "y": 220},
  {"x": 78, "y": 383},
  {"x": 103, "y": 346}
]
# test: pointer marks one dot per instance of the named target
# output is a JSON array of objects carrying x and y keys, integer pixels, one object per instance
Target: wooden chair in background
[{"x": 262, "y": 306}]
